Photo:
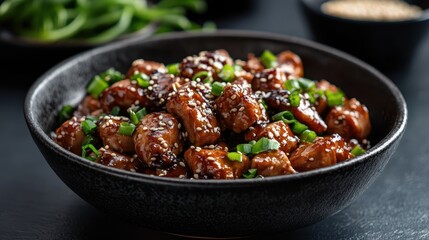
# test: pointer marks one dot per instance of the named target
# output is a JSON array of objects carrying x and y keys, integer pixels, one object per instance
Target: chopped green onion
[
  {"x": 97, "y": 86},
  {"x": 294, "y": 99},
  {"x": 93, "y": 150},
  {"x": 298, "y": 127},
  {"x": 308, "y": 136},
  {"x": 173, "y": 68},
  {"x": 115, "y": 111},
  {"x": 227, "y": 73},
  {"x": 88, "y": 126},
  {"x": 245, "y": 148},
  {"x": 88, "y": 140},
  {"x": 65, "y": 113},
  {"x": 235, "y": 156},
  {"x": 137, "y": 116},
  {"x": 204, "y": 76},
  {"x": 300, "y": 84},
  {"x": 264, "y": 104},
  {"x": 285, "y": 116},
  {"x": 142, "y": 79},
  {"x": 111, "y": 76},
  {"x": 334, "y": 98},
  {"x": 268, "y": 59},
  {"x": 126, "y": 128},
  {"x": 264, "y": 144},
  {"x": 251, "y": 173},
  {"x": 217, "y": 88},
  {"x": 357, "y": 150}
]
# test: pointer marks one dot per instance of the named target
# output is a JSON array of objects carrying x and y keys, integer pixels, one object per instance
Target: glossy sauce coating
[{"x": 191, "y": 131}]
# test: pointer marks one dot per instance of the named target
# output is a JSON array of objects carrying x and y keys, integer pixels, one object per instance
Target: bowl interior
[{"x": 65, "y": 84}]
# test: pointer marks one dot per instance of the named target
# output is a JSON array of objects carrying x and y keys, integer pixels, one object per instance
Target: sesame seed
[
  {"x": 132, "y": 170},
  {"x": 182, "y": 164},
  {"x": 270, "y": 135},
  {"x": 233, "y": 97},
  {"x": 192, "y": 104},
  {"x": 211, "y": 159},
  {"x": 234, "y": 110},
  {"x": 241, "y": 109},
  {"x": 176, "y": 145},
  {"x": 196, "y": 176},
  {"x": 199, "y": 129},
  {"x": 197, "y": 149}
]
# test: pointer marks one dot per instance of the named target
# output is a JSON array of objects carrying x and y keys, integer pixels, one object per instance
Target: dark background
[{"x": 35, "y": 204}]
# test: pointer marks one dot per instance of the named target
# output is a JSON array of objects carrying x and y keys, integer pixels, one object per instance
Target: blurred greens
[{"x": 95, "y": 21}]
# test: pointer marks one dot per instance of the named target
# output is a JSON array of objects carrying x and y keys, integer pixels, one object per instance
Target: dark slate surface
[{"x": 35, "y": 204}]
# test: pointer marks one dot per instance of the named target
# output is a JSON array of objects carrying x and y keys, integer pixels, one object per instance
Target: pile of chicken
[{"x": 189, "y": 131}]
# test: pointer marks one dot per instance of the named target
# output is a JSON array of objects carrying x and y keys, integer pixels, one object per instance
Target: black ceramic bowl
[
  {"x": 387, "y": 45},
  {"x": 218, "y": 208}
]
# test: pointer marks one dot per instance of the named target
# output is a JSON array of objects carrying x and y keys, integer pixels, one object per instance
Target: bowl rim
[
  {"x": 315, "y": 7},
  {"x": 396, "y": 132}
]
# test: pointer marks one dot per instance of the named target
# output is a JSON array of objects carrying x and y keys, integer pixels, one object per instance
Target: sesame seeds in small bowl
[{"x": 384, "y": 33}]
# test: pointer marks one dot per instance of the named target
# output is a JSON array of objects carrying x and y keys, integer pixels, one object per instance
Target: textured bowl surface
[{"x": 219, "y": 208}]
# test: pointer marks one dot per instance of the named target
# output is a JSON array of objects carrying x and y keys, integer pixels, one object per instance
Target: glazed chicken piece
[
  {"x": 279, "y": 131},
  {"x": 117, "y": 160},
  {"x": 157, "y": 140},
  {"x": 123, "y": 94},
  {"x": 350, "y": 120},
  {"x": 108, "y": 130},
  {"x": 272, "y": 163},
  {"x": 253, "y": 64},
  {"x": 207, "y": 163},
  {"x": 88, "y": 106},
  {"x": 193, "y": 109},
  {"x": 158, "y": 92},
  {"x": 269, "y": 79},
  {"x": 212, "y": 62},
  {"x": 177, "y": 170},
  {"x": 323, "y": 152},
  {"x": 290, "y": 64},
  {"x": 70, "y": 135},
  {"x": 238, "y": 109},
  {"x": 304, "y": 113},
  {"x": 146, "y": 67}
]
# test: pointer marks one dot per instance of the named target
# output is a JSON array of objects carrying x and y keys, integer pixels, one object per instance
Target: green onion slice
[
  {"x": 204, "y": 76},
  {"x": 173, "y": 68},
  {"x": 126, "y": 128},
  {"x": 268, "y": 59},
  {"x": 245, "y": 148},
  {"x": 357, "y": 150},
  {"x": 294, "y": 99},
  {"x": 334, "y": 98},
  {"x": 300, "y": 84},
  {"x": 97, "y": 86},
  {"x": 142, "y": 79},
  {"x": 137, "y": 116},
  {"x": 115, "y": 111},
  {"x": 111, "y": 76},
  {"x": 88, "y": 126},
  {"x": 298, "y": 127},
  {"x": 235, "y": 156},
  {"x": 92, "y": 150},
  {"x": 285, "y": 116},
  {"x": 227, "y": 73},
  {"x": 264, "y": 144},
  {"x": 251, "y": 173},
  {"x": 65, "y": 113},
  {"x": 308, "y": 136},
  {"x": 217, "y": 88}
]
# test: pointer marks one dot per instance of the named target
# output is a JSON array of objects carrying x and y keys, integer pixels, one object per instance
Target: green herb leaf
[
  {"x": 217, "y": 88},
  {"x": 88, "y": 126},
  {"x": 142, "y": 79},
  {"x": 264, "y": 144},
  {"x": 245, "y": 148},
  {"x": 126, "y": 129},
  {"x": 334, "y": 98},
  {"x": 268, "y": 59},
  {"x": 227, "y": 73},
  {"x": 294, "y": 99},
  {"x": 357, "y": 150},
  {"x": 137, "y": 116},
  {"x": 251, "y": 173},
  {"x": 173, "y": 68},
  {"x": 97, "y": 86},
  {"x": 235, "y": 156}
]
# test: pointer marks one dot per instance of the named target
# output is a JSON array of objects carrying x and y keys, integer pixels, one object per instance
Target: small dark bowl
[
  {"x": 218, "y": 208},
  {"x": 27, "y": 59},
  {"x": 386, "y": 45}
]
